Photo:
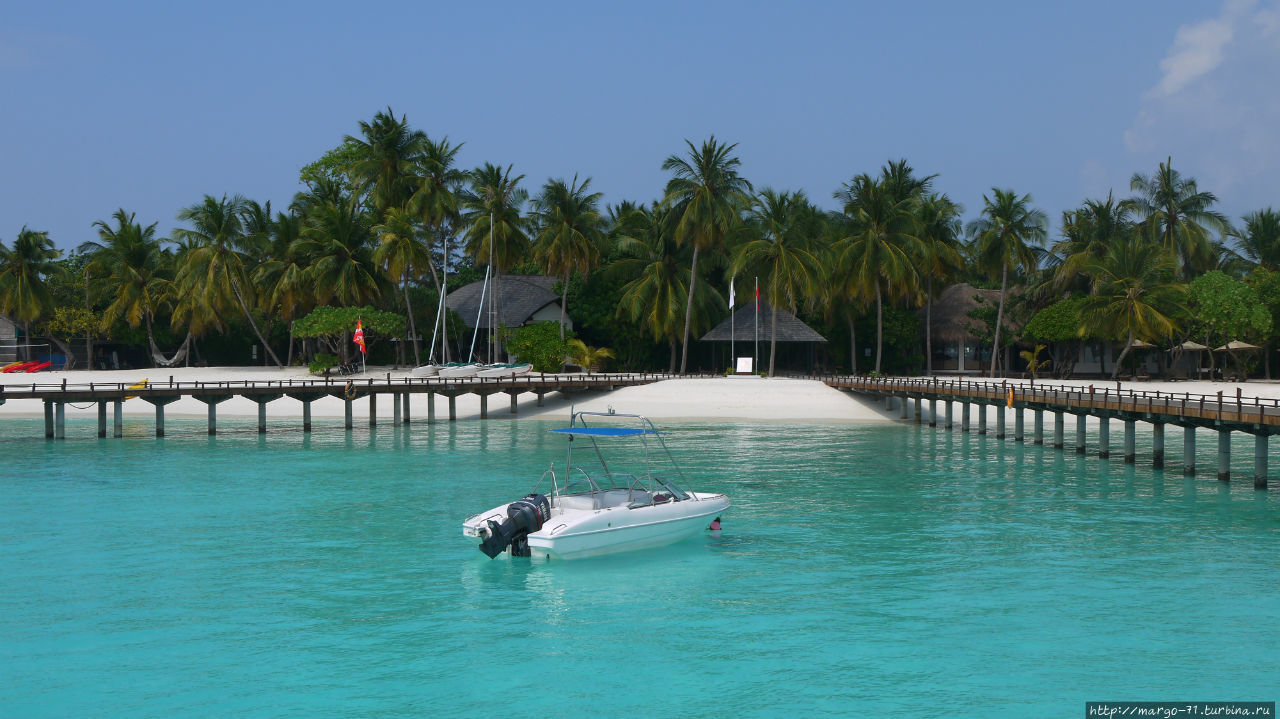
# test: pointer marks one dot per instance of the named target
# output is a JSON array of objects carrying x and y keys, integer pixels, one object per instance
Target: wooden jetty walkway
[
  {"x": 1224, "y": 414},
  {"x": 306, "y": 391}
]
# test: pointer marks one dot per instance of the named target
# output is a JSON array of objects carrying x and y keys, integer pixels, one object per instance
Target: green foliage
[
  {"x": 586, "y": 356},
  {"x": 73, "y": 323},
  {"x": 323, "y": 363},
  {"x": 333, "y": 166},
  {"x": 1225, "y": 309},
  {"x": 1267, "y": 284},
  {"x": 540, "y": 345},
  {"x": 1034, "y": 364},
  {"x": 333, "y": 325},
  {"x": 1059, "y": 322}
]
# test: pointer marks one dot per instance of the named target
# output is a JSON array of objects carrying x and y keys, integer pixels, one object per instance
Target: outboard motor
[{"x": 523, "y": 516}]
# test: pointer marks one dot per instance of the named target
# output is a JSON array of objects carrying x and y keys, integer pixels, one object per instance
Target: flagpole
[{"x": 733, "y": 359}]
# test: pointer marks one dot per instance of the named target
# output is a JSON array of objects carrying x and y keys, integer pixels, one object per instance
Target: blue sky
[{"x": 149, "y": 106}]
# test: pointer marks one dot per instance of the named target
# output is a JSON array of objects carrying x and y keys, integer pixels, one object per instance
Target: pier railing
[{"x": 1093, "y": 398}]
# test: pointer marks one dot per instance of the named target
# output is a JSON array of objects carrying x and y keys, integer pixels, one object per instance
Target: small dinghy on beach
[
  {"x": 633, "y": 501},
  {"x": 503, "y": 370}
]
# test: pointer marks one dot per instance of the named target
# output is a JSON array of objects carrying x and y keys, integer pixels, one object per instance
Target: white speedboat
[
  {"x": 458, "y": 369},
  {"x": 503, "y": 370},
  {"x": 426, "y": 370},
  {"x": 603, "y": 506}
]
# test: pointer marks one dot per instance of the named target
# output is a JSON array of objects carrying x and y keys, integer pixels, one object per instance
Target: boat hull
[
  {"x": 504, "y": 371},
  {"x": 426, "y": 370},
  {"x": 619, "y": 529},
  {"x": 463, "y": 371}
]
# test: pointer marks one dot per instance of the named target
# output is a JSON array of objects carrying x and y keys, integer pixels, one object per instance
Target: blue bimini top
[{"x": 602, "y": 431}]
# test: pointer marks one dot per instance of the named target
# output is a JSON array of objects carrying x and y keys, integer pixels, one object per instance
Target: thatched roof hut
[
  {"x": 743, "y": 325},
  {"x": 950, "y": 317},
  {"x": 521, "y": 299}
]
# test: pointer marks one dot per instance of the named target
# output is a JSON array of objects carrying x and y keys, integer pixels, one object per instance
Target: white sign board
[{"x": 744, "y": 365}]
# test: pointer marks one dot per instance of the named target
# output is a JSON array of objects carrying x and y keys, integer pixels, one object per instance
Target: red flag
[{"x": 358, "y": 337}]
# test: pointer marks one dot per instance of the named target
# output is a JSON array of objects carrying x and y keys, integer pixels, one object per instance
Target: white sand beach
[{"x": 750, "y": 398}]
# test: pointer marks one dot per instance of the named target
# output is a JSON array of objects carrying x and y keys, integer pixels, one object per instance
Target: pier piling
[
  {"x": 1189, "y": 451},
  {"x": 933, "y": 412},
  {"x": 117, "y": 410},
  {"x": 964, "y": 416},
  {"x": 1130, "y": 444},
  {"x": 373, "y": 409},
  {"x": 1104, "y": 437},
  {"x": 212, "y": 403},
  {"x": 1018, "y": 425},
  {"x": 951, "y": 425},
  {"x": 102, "y": 419},
  {"x": 1157, "y": 445},
  {"x": 1260, "y": 460},
  {"x": 48, "y": 419},
  {"x": 1080, "y": 436},
  {"x": 404, "y": 400},
  {"x": 982, "y": 418},
  {"x": 1039, "y": 427},
  {"x": 1224, "y": 455},
  {"x": 395, "y": 408},
  {"x": 1000, "y": 424},
  {"x": 60, "y": 420},
  {"x": 1058, "y": 422}
]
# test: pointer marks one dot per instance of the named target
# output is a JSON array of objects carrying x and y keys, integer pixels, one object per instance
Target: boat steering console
[{"x": 523, "y": 516}]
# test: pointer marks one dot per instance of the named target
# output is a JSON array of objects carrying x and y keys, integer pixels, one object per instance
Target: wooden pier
[
  {"x": 1221, "y": 413},
  {"x": 306, "y": 391}
]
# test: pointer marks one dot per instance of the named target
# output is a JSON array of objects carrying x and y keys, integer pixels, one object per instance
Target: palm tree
[
  {"x": 938, "y": 229},
  {"x": 1134, "y": 294},
  {"x": 782, "y": 227},
  {"x": 282, "y": 276},
  {"x": 343, "y": 269},
  {"x": 1087, "y": 232},
  {"x": 1002, "y": 235},
  {"x": 492, "y": 204},
  {"x": 1177, "y": 215},
  {"x": 213, "y": 274},
  {"x": 139, "y": 272},
  {"x": 655, "y": 268},
  {"x": 707, "y": 194},
  {"x": 403, "y": 255},
  {"x": 385, "y": 169},
  {"x": 24, "y": 295},
  {"x": 1259, "y": 239},
  {"x": 571, "y": 232},
  {"x": 877, "y": 255},
  {"x": 436, "y": 203}
]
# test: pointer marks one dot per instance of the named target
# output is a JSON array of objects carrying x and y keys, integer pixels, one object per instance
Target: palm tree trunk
[
  {"x": 688, "y": 310},
  {"x": 928, "y": 326},
  {"x": 853, "y": 350},
  {"x": 564, "y": 302},
  {"x": 290, "y": 358},
  {"x": 235, "y": 287},
  {"x": 671, "y": 366},
  {"x": 1115, "y": 369},
  {"x": 773, "y": 336},
  {"x": 879, "y": 327},
  {"x": 408, "y": 309},
  {"x": 995, "y": 343}
]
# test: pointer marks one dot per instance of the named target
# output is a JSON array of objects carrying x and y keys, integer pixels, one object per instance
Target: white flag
[{"x": 731, "y": 291}]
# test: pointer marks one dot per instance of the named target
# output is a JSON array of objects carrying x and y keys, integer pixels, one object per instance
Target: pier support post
[
  {"x": 1039, "y": 427},
  {"x": 918, "y": 414},
  {"x": 404, "y": 400},
  {"x": 1224, "y": 455},
  {"x": 347, "y": 413},
  {"x": 395, "y": 408},
  {"x": 431, "y": 406},
  {"x": 262, "y": 417},
  {"x": 1080, "y": 427},
  {"x": 540, "y": 393},
  {"x": 1019, "y": 425},
  {"x": 261, "y": 400},
  {"x": 1000, "y": 421},
  {"x": 514, "y": 406},
  {"x": 484, "y": 406},
  {"x": 1130, "y": 449},
  {"x": 159, "y": 403},
  {"x": 1259, "y": 461},
  {"x": 373, "y": 410},
  {"x": 1189, "y": 451},
  {"x": 212, "y": 402},
  {"x": 102, "y": 418},
  {"x": 117, "y": 426},
  {"x": 964, "y": 416},
  {"x": 906, "y": 408},
  {"x": 306, "y": 415},
  {"x": 1157, "y": 445},
  {"x": 1058, "y": 421},
  {"x": 933, "y": 412},
  {"x": 453, "y": 408},
  {"x": 60, "y": 420},
  {"x": 982, "y": 418},
  {"x": 951, "y": 425},
  {"x": 1104, "y": 437},
  {"x": 48, "y": 419}
]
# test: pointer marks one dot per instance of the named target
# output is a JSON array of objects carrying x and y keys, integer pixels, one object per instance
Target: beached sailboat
[
  {"x": 633, "y": 501},
  {"x": 432, "y": 368},
  {"x": 504, "y": 370}
]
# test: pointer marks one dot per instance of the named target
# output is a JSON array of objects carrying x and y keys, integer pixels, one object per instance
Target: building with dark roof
[
  {"x": 741, "y": 327},
  {"x": 521, "y": 300}
]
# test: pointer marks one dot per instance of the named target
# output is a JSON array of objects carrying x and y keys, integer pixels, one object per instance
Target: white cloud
[{"x": 1215, "y": 110}]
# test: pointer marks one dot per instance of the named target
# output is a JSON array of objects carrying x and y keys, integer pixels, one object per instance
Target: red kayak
[
  {"x": 21, "y": 367},
  {"x": 37, "y": 368}
]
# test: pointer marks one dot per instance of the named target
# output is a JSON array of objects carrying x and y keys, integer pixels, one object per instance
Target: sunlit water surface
[{"x": 862, "y": 570}]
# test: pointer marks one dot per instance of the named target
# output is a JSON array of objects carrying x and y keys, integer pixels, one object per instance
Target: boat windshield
[{"x": 619, "y": 452}]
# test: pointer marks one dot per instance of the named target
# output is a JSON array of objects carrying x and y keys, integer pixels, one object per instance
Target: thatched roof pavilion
[
  {"x": 950, "y": 320},
  {"x": 521, "y": 299},
  {"x": 743, "y": 325}
]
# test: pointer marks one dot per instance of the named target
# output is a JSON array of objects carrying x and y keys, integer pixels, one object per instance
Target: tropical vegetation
[{"x": 386, "y": 224}]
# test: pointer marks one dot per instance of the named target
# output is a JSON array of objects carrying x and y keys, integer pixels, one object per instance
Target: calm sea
[{"x": 864, "y": 570}]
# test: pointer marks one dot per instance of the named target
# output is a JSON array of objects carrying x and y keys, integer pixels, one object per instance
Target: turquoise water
[{"x": 864, "y": 570}]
